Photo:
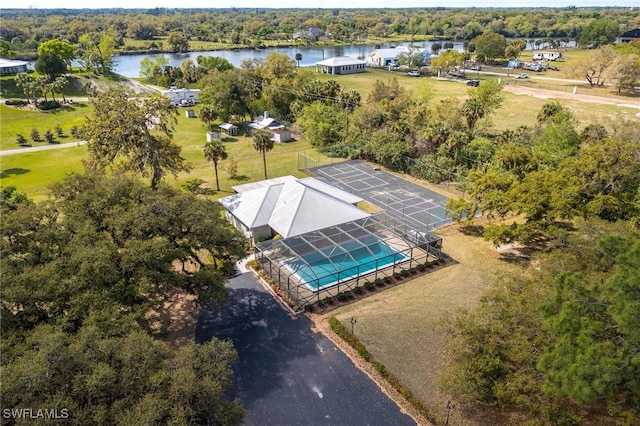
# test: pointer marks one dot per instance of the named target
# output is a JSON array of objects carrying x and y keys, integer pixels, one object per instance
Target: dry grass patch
[{"x": 400, "y": 326}]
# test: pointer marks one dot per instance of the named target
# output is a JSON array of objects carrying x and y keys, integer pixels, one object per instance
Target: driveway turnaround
[
  {"x": 409, "y": 203},
  {"x": 287, "y": 374}
]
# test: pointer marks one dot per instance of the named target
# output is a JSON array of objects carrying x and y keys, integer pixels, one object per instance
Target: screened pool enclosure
[{"x": 312, "y": 266}]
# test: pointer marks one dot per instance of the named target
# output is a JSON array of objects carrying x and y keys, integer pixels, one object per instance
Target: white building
[
  {"x": 389, "y": 56},
  {"x": 547, "y": 56},
  {"x": 181, "y": 96},
  {"x": 11, "y": 67},
  {"x": 288, "y": 206},
  {"x": 341, "y": 65}
]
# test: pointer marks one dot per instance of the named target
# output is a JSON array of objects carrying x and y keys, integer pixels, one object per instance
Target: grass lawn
[
  {"x": 400, "y": 326},
  {"x": 33, "y": 172},
  {"x": 15, "y": 121}
]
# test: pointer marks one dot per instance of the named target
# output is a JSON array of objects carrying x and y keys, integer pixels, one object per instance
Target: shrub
[
  {"x": 421, "y": 267},
  {"x": 320, "y": 303},
  {"x": 35, "y": 135},
  {"x": 309, "y": 308},
  {"x": 328, "y": 300},
  {"x": 344, "y": 333},
  {"x": 404, "y": 273},
  {"x": 21, "y": 140},
  {"x": 47, "y": 105},
  {"x": 341, "y": 297},
  {"x": 386, "y": 280},
  {"x": 379, "y": 282},
  {"x": 48, "y": 136},
  {"x": 413, "y": 270},
  {"x": 59, "y": 131},
  {"x": 369, "y": 285},
  {"x": 357, "y": 290},
  {"x": 397, "y": 275},
  {"x": 15, "y": 102},
  {"x": 253, "y": 264}
]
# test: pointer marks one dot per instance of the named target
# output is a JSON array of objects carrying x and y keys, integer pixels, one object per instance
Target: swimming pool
[{"x": 343, "y": 262}]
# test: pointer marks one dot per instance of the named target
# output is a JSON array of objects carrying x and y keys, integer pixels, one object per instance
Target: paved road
[
  {"x": 287, "y": 374},
  {"x": 7, "y": 152}
]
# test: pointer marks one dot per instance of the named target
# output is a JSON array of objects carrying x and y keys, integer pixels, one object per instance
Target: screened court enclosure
[{"x": 322, "y": 263}]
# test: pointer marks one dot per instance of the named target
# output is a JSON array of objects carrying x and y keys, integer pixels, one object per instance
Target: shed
[
  {"x": 282, "y": 135},
  {"x": 230, "y": 129},
  {"x": 189, "y": 113},
  {"x": 213, "y": 136}
]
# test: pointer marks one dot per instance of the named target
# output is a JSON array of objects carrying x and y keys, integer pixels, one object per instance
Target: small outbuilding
[
  {"x": 341, "y": 65},
  {"x": 230, "y": 129},
  {"x": 282, "y": 135},
  {"x": 213, "y": 136}
]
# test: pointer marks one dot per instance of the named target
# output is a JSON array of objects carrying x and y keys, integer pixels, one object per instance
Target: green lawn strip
[
  {"x": 15, "y": 121},
  {"x": 343, "y": 332},
  {"x": 400, "y": 326},
  {"x": 33, "y": 172}
]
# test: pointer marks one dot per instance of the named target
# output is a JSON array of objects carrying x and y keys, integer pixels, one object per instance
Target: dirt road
[{"x": 552, "y": 94}]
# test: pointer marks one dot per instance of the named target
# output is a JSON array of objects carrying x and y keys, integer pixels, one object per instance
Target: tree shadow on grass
[
  {"x": 240, "y": 178},
  {"x": 472, "y": 230},
  {"x": 14, "y": 171}
]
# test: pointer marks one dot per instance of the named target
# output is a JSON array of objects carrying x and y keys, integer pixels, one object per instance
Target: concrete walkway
[{"x": 28, "y": 149}]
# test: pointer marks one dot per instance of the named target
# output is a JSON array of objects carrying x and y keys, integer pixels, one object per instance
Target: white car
[
  {"x": 413, "y": 73},
  {"x": 523, "y": 75}
]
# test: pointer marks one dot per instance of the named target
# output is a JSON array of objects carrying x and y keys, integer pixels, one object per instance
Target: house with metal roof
[
  {"x": 389, "y": 56},
  {"x": 341, "y": 65},
  {"x": 11, "y": 67},
  {"x": 288, "y": 206}
]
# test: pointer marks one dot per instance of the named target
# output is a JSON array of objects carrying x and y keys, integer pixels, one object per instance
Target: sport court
[{"x": 405, "y": 201}]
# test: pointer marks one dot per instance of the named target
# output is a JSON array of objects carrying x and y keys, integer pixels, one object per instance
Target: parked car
[
  {"x": 523, "y": 75},
  {"x": 474, "y": 83},
  {"x": 413, "y": 73},
  {"x": 476, "y": 68}
]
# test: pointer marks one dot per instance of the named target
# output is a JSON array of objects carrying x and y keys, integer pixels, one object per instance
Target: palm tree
[
  {"x": 298, "y": 58},
  {"x": 215, "y": 151},
  {"x": 208, "y": 113},
  {"x": 262, "y": 142}
]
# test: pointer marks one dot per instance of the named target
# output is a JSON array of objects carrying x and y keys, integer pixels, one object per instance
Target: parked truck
[{"x": 181, "y": 97}]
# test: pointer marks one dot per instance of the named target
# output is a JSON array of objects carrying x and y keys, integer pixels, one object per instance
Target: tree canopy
[
  {"x": 86, "y": 276},
  {"x": 134, "y": 135}
]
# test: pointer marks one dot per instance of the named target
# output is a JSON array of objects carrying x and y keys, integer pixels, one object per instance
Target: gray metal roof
[
  {"x": 292, "y": 207},
  {"x": 259, "y": 184}
]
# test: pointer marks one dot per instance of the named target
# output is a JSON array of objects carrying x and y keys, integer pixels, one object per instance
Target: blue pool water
[{"x": 345, "y": 262}]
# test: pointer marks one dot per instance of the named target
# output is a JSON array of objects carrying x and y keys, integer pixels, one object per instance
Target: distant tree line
[{"x": 173, "y": 29}]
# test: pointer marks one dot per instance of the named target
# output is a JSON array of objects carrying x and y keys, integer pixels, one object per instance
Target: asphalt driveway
[{"x": 287, "y": 374}]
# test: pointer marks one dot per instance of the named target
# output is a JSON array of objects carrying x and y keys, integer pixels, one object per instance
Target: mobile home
[
  {"x": 181, "y": 97},
  {"x": 547, "y": 56}
]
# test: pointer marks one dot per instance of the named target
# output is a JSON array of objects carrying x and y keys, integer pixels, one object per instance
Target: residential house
[
  {"x": 341, "y": 65},
  {"x": 389, "y": 56},
  {"x": 631, "y": 35},
  {"x": 287, "y": 206},
  {"x": 11, "y": 67}
]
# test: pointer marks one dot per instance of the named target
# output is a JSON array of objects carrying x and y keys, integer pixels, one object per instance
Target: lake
[{"x": 129, "y": 65}]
